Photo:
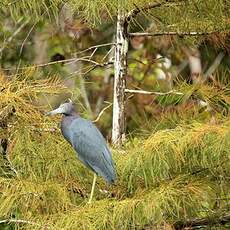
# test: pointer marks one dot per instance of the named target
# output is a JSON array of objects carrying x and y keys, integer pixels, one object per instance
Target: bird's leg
[{"x": 93, "y": 186}]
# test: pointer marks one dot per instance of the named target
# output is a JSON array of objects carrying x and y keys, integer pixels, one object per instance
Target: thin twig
[
  {"x": 18, "y": 221},
  {"x": 13, "y": 35},
  {"x": 102, "y": 111},
  {"x": 28, "y": 34},
  {"x": 95, "y": 50},
  {"x": 96, "y": 46},
  {"x": 152, "y": 93},
  {"x": 10, "y": 165},
  {"x": 96, "y": 64},
  {"x": 66, "y": 61},
  {"x": 108, "y": 53},
  {"x": 71, "y": 60}
]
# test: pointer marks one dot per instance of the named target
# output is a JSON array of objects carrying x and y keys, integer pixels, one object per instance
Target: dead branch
[
  {"x": 152, "y": 93},
  {"x": 71, "y": 60},
  {"x": 95, "y": 64},
  {"x": 96, "y": 46},
  {"x": 102, "y": 111},
  {"x": 192, "y": 33},
  {"x": 18, "y": 221}
]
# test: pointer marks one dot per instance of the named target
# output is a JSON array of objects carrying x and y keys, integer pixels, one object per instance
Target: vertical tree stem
[{"x": 120, "y": 71}]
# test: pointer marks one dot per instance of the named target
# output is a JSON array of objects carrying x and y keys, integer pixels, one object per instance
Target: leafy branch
[
  {"x": 133, "y": 13},
  {"x": 202, "y": 222}
]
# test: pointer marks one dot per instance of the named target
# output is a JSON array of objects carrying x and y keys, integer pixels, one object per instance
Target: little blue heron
[{"x": 88, "y": 142}]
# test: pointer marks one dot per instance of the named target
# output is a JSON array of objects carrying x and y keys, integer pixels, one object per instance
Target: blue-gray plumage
[
  {"x": 90, "y": 145},
  {"x": 87, "y": 141}
]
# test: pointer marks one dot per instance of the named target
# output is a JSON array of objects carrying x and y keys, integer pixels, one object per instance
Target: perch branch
[
  {"x": 192, "y": 33},
  {"x": 151, "y": 92}
]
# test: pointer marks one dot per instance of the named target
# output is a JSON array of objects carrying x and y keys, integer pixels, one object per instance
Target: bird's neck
[
  {"x": 72, "y": 114},
  {"x": 67, "y": 119}
]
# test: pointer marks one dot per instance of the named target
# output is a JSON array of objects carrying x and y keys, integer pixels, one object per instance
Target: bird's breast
[{"x": 66, "y": 127}]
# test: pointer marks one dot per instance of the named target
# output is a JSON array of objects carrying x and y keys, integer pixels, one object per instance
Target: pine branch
[
  {"x": 151, "y": 92},
  {"x": 192, "y": 33},
  {"x": 206, "y": 221},
  {"x": 133, "y": 13}
]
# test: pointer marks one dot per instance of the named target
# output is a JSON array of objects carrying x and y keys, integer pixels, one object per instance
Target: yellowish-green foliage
[
  {"x": 173, "y": 15},
  {"x": 174, "y": 174},
  {"x": 19, "y": 94}
]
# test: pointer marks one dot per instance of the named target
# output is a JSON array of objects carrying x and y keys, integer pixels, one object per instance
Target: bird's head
[{"x": 65, "y": 108}]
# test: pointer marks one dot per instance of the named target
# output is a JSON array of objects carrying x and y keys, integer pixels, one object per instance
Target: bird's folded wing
[{"x": 92, "y": 150}]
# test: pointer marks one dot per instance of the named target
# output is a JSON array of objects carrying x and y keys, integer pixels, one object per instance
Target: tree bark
[{"x": 120, "y": 71}]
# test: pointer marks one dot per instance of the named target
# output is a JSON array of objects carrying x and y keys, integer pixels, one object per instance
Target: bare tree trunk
[
  {"x": 195, "y": 65},
  {"x": 120, "y": 71}
]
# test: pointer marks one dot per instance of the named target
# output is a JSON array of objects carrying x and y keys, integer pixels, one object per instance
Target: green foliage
[
  {"x": 172, "y": 15},
  {"x": 18, "y": 93},
  {"x": 89, "y": 9},
  {"x": 171, "y": 175},
  {"x": 194, "y": 15}
]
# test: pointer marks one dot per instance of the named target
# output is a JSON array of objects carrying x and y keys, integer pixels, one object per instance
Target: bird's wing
[{"x": 92, "y": 149}]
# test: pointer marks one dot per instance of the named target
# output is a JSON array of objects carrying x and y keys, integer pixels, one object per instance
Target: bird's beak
[{"x": 55, "y": 111}]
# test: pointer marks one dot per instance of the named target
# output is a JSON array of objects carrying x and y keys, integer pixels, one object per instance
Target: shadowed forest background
[{"x": 173, "y": 166}]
